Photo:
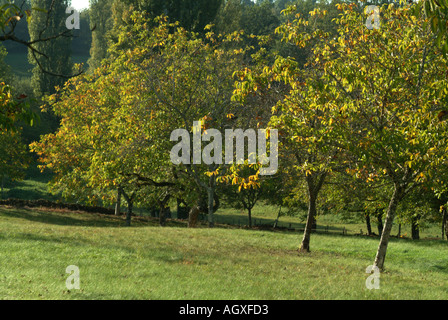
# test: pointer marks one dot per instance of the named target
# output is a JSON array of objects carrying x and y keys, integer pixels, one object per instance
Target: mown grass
[{"x": 146, "y": 261}]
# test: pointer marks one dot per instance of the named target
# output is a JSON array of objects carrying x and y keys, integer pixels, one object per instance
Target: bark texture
[{"x": 397, "y": 196}]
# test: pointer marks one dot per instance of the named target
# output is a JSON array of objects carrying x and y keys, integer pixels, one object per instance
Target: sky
[{"x": 80, "y": 4}]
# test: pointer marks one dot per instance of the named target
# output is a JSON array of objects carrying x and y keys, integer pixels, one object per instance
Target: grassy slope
[{"x": 149, "y": 262}]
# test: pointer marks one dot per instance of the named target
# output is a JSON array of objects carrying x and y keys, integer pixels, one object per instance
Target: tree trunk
[
  {"x": 168, "y": 213},
  {"x": 211, "y": 199},
  {"x": 178, "y": 209},
  {"x": 414, "y": 227},
  {"x": 118, "y": 204},
  {"x": 162, "y": 215},
  {"x": 153, "y": 211},
  {"x": 249, "y": 211},
  {"x": 3, "y": 182},
  {"x": 385, "y": 236},
  {"x": 164, "y": 209},
  {"x": 314, "y": 183},
  {"x": 305, "y": 246},
  {"x": 278, "y": 217},
  {"x": 193, "y": 217},
  {"x": 399, "y": 230},
  {"x": 129, "y": 213},
  {"x": 368, "y": 225},
  {"x": 314, "y": 225},
  {"x": 444, "y": 223},
  {"x": 130, "y": 202},
  {"x": 182, "y": 211},
  {"x": 380, "y": 223}
]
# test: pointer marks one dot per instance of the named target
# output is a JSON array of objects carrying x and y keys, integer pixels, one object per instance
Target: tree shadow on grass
[
  {"x": 67, "y": 219},
  {"x": 422, "y": 242},
  {"x": 268, "y": 223},
  {"x": 29, "y": 190},
  {"x": 46, "y": 239},
  {"x": 240, "y": 220},
  {"x": 30, "y": 194}
]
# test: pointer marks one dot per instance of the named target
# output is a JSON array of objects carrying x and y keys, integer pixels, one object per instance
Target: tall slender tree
[
  {"x": 52, "y": 59},
  {"x": 193, "y": 15},
  {"x": 101, "y": 23}
]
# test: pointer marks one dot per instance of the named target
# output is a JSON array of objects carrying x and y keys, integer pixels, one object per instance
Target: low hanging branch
[
  {"x": 142, "y": 181},
  {"x": 33, "y": 52}
]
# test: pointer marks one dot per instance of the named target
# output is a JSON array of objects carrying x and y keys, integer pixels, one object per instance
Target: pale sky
[{"x": 80, "y": 4}]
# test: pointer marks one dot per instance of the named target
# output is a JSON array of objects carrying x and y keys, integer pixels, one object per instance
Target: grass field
[
  {"x": 146, "y": 261},
  {"x": 35, "y": 187}
]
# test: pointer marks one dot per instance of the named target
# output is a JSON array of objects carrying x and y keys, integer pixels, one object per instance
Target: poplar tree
[
  {"x": 193, "y": 15},
  {"x": 51, "y": 59},
  {"x": 101, "y": 23}
]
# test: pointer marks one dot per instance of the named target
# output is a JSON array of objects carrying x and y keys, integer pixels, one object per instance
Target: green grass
[
  {"x": 149, "y": 262},
  {"x": 34, "y": 187},
  {"x": 27, "y": 189},
  {"x": 266, "y": 215}
]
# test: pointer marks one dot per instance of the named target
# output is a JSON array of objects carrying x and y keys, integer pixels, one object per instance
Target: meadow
[
  {"x": 146, "y": 261},
  {"x": 361, "y": 111}
]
